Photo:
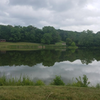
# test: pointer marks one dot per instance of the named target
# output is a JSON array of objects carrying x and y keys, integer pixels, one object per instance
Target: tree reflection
[{"x": 48, "y": 57}]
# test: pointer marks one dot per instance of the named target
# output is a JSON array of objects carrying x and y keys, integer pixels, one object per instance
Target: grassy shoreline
[
  {"x": 31, "y": 46},
  {"x": 26, "y": 46},
  {"x": 19, "y": 46}
]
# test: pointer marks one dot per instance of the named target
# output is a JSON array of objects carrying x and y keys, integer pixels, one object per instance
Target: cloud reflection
[{"x": 66, "y": 69}]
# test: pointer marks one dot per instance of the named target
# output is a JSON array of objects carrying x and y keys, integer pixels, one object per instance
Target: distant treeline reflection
[{"x": 48, "y": 57}]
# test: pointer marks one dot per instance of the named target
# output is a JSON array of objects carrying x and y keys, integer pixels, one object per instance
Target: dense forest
[{"x": 48, "y": 35}]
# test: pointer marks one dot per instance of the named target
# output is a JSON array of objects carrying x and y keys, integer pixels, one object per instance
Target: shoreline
[{"x": 31, "y": 46}]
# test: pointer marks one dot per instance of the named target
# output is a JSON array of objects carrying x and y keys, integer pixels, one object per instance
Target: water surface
[{"x": 45, "y": 64}]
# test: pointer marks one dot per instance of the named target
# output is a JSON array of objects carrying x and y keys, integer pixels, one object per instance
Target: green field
[
  {"x": 33, "y": 46},
  {"x": 60, "y": 43},
  {"x": 48, "y": 93},
  {"x": 28, "y": 46},
  {"x": 19, "y": 46}
]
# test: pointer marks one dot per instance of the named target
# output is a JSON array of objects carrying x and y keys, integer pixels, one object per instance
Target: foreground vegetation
[
  {"x": 26, "y": 81},
  {"x": 48, "y": 93},
  {"x": 25, "y": 89}
]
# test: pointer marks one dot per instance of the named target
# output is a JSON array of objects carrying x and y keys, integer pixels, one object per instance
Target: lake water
[{"x": 45, "y": 64}]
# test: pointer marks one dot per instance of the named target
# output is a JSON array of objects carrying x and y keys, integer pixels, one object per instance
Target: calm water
[{"x": 45, "y": 64}]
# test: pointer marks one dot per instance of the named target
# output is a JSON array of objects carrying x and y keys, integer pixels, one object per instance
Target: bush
[
  {"x": 98, "y": 86},
  {"x": 27, "y": 81},
  {"x": 2, "y": 80},
  {"x": 39, "y": 83},
  {"x": 57, "y": 81}
]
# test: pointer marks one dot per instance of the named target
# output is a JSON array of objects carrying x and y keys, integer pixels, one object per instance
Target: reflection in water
[
  {"x": 66, "y": 69},
  {"x": 48, "y": 57},
  {"x": 67, "y": 63}
]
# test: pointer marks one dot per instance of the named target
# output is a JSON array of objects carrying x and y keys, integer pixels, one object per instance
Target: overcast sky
[{"x": 76, "y": 15}]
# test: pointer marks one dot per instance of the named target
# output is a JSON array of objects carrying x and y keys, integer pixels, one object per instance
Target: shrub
[
  {"x": 57, "y": 81},
  {"x": 2, "y": 80},
  {"x": 98, "y": 86},
  {"x": 39, "y": 83},
  {"x": 27, "y": 81}
]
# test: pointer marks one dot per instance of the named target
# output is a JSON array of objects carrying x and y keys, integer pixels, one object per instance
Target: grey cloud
[
  {"x": 33, "y": 3},
  {"x": 75, "y": 15},
  {"x": 56, "y": 5}
]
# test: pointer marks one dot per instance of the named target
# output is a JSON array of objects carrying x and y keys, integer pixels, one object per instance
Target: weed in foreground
[{"x": 81, "y": 82}]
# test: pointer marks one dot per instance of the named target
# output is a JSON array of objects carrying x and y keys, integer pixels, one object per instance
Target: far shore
[{"x": 30, "y": 46}]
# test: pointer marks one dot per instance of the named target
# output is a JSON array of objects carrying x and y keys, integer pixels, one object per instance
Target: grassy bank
[
  {"x": 19, "y": 46},
  {"x": 48, "y": 93},
  {"x": 33, "y": 46},
  {"x": 28, "y": 46}
]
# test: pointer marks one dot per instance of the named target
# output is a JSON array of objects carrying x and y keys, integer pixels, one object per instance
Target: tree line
[{"x": 49, "y": 35}]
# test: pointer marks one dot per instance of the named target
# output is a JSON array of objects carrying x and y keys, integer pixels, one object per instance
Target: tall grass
[
  {"x": 26, "y": 81},
  {"x": 22, "y": 81},
  {"x": 81, "y": 82}
]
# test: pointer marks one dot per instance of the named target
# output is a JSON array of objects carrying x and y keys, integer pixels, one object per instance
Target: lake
[{"x": 45, "y": 64}]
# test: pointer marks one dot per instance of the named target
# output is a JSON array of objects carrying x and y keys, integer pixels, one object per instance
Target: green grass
[
  {"x": 17, "y": 43},
  {"x": 19, "y": 46},
  {"x": 28, "y": 46},
  {"x": 60, "y": 43},
  {"x": 32, "y": 46},
  {"x": 56, "y": 47},
  {"x": 25, "y": 89},
  {"x": 48, "y": 93},
  {"x": 22, "y": 81}
]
